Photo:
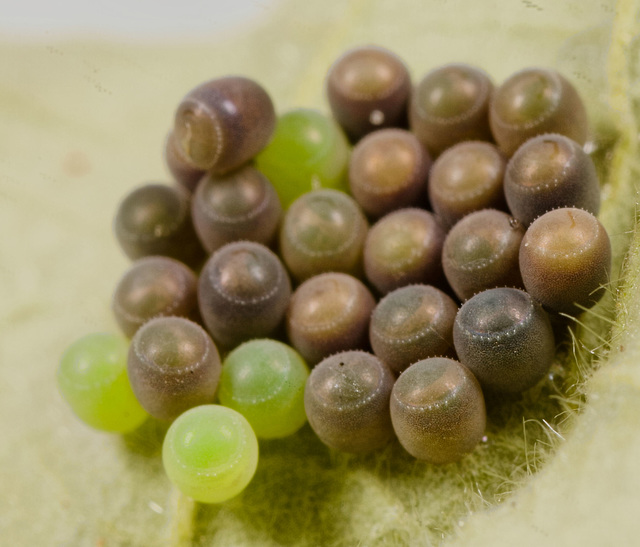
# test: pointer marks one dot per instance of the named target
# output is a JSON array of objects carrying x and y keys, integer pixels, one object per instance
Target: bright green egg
[
  {"x": 308, "y": 151},
  {"x": 264, "y": 380},
  {"x": 210, "y": 453},
  {"x": 92, "y": 378}
]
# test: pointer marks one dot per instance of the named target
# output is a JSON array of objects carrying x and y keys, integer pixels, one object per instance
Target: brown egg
[
  {"x": 329, "y": 313},
  {"x": 451, "y": 105},
  {"x": 388, "y": 171},
  {"x": 347, "y": 401},
  {"x": 565, "y": 260},
  {"x": 368, "y": 89},
  {"x": 532, "y": 102},
  {"x": 223, "y": 123},
  {"x": 437, "y": 410}
]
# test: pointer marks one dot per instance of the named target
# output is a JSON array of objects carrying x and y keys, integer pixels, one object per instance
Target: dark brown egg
[
  {"x": 404, "y": 248},
  {"x": 437, "y": 410},
  {"x": 156, "y": 220},
  {"x": 368, "y": 89},
  {"x": 347, "y": 402},
  {"x": 327, "y": 314},
  {"x": 481, "y": 252},
  {"x": 549, "y": 172},
  {"x": 154, "y": 286},
  {"x": 223, "y": 123},
  {"x": 173, "y": 365},
  {"x": 505, "y": 338},
  {"x": 532, "y": 102},
  {"x": 467, "y": 177},
  {"x": 388, "y": 171},
  {"x": 565, "y": 260},
  {"x": 243, "y": 293},
  {"x": 450, "y": 105},
  {"x": 242, "y": 205},
  {"x": 412, "y": 323}
]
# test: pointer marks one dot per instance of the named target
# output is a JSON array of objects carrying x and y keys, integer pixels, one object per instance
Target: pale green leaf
[{"x": 82, "y": 122}]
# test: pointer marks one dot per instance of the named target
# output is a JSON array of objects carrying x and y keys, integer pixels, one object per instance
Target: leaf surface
[{"x": 82, "y": 122}]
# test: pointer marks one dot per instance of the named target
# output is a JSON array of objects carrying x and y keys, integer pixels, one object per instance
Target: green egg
[
  {"x": 92, "y": 378},
  {"x": 264, "y": 380},
  {"x": 210, "y": 453},
  {"x": 308, "y": 151}
]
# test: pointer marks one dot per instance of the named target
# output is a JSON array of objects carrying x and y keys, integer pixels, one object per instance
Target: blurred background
[{"x": 131, "y": 21}]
